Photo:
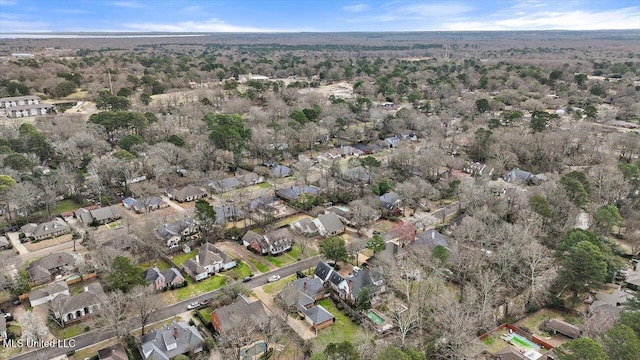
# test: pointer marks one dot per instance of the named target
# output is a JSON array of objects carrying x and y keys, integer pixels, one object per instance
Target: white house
[{"x": 48, "y": 293}]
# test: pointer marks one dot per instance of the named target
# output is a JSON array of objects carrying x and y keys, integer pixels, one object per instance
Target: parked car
[
  {"x": 247, "y": 279},
  {"x": 194, "y": 305},
  {"x": 274, "y": 278}
]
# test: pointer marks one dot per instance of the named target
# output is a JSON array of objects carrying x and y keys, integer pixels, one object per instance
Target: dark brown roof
[{"x": 565, "y": 328}]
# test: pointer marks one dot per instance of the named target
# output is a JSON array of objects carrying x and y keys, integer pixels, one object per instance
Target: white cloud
[
  {"x": 7, "y": 2},
  {"x": 625, "y": 18},
  {"x": 127, "y": 4},
  {"x": 21, "y": 26},
  {"x": 356, "y": 8},
  {"x": 402, "y": 11},
  {"x": 211, "y": 25}
]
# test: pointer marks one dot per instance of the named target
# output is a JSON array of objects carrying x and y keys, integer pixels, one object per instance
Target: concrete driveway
[
  {"x": 172, "y": 204},
  {"x": 15, "y": 241}
]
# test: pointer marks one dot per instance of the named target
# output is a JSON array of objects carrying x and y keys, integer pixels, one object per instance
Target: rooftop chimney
[
  {"x": 350, "y": 296},
  {"x": 198, "y": 258},
  {"x": 305, "y": 285},
  {"x": 86, "y": 289},
  {"x": 433, "y": 235},
  {"x": 175, "y": 332}
]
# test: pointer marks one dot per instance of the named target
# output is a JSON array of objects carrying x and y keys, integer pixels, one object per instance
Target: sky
[{"x": 314, "y": 15}]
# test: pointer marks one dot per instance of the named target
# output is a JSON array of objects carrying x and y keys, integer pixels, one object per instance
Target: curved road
[{"x": 96, "y": 336}]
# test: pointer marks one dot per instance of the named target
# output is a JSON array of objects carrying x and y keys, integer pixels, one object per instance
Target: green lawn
[
  {"x": 206, "y": 314},
  {"x": 161, "y": 264},
  {"x": 68, "y": 331},
  {"x": 296, "y": 253},
  {"x": 113, "y": 225},
  {"x": 290, "y": 219},
  {"x": 281, "y": 260},
  {"x": 206, "y": 285},
  {"x": 65, "y": 205},
  {"x": 277, "y": 286},
  {"x": 342, "y": 330},
  {"x": 264, "y": 185},
  {"x": 180, "y": 259},
  {"x": 241, "y": 271},
  {"x": 260, "y": 266}
]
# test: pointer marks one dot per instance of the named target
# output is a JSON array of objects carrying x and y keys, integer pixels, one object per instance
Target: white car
[
  {"x": 274, "y": 278},
  {"x": 194, "y": 305}
]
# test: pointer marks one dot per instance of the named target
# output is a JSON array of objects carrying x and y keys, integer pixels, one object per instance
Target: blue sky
[{"x": 314, "y": 15}]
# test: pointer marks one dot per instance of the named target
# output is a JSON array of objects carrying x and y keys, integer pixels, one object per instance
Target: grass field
[
  {"x": 180, "y": 259},
  {"x": 264, "y": 185},
  {"x": 290, "y": 219},
  {"x": 281, "y": 260},
  {"x": 161, "y": 264},
  {"x": 206, "y": 285},
  {"x": 206, "y": 314},
  {"x": 68, "y": 331},
  {"x": 64, "y": 206},
  {"x": 260, "y": 266},
  {"x": 113, "y": 225},
  {"x": 275, "y": 287},
  {"x": 342, "y": 330},
  {"x": 241, "y": 271}
]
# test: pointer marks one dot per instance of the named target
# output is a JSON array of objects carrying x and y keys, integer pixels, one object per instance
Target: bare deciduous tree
[{"x": 33, "y": 328}]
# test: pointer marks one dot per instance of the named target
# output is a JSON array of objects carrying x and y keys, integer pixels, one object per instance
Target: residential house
[
  {"x": 21, "y": 111},
  {"x": 4, "y": 243},
  {"x": 349, "y": 287},
  {"x": 305, "y": 226},
  {"x": 523, "y": 177},
  {"x": 273, "y": 243},
  {"x": 163, "y": 279},
  {"x": 265, "y": 206},
  {"x": 9, "y": 102},
  {"x": 225, "y": 185},
  {"x": 510, "y": 353},
  {"x": 478, "y": 169},
  {"x": 317, "y": 316},
  {"x": 24, "y": 106},
  {"x": 172, "y": 340},
  {"x": 632, "y": 278},
  {"x": 113, "y": 352},
  {"x": 196, "y": 271},
  {"x": 248, "y": 178},
  {"x": 280, "y": 171},
  {"x": 606, "y": 308},
  {"x": 564, "y": 328},
  {"x": 323, "y": 271},
  {"x": 46, "y": 230},
  {"x": 103, "y": 215},
  {"x": 124, "y": 242},
  {"x": 280, "y": 240},
  {"x": 359, "y": 174},
  {"x": 293, "y": 193},
  {"x": 390, "y": 202},
  {"x": 48, "y": 293},
  {"x": 368, "y": 149},
  {"x": 228, "y": 213},
  {"x": 329, "y": 224},
  {"x": 209, "y": 260},
  {"x": 186, "y": 194},
  {"x": 172, "y": 233},
  {"x": 243, "y": 78},
  {"x": 145, "y": 205},
  {"x": 431, "y": 239},
  {"x": 47, "y": 267},
  {"x": 75, "y": 307},
  {"x": 304, "y": 292},
  {"x": 408, "y": 135},
  {"x": 392, "y": 141},
  {"x": 239, "y": 313}
]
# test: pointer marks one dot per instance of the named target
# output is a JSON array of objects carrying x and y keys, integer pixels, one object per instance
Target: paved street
[{"x": 96, "y": 336}]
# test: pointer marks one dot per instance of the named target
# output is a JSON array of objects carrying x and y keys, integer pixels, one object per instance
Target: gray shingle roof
[
  {"x": 240, "y": 308},
  {"x": 317, "y": 314},
  {"x": 331, "y": 222},
  {"x": 323, "y": 271},
  {"x": 170, "y": 341}
]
